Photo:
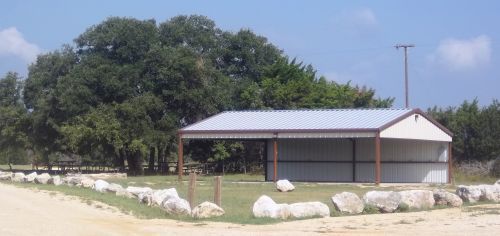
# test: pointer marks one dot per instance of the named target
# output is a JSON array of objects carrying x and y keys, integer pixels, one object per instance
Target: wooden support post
[
  {"x": 180, "y": 159},
  {"x": 450, "y": 163},
  {"x": 353, "y": 160},
  {"x": 265, "y": 161},
  {"x": 377, "y": 158},
  {"x": 217, "y": 190},
  {"x": 191, "y": 189},
  {"x": 275, "y": 155}
]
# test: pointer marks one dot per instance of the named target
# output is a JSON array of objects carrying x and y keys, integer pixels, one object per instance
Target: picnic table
[{"x": 190, "y": 167}]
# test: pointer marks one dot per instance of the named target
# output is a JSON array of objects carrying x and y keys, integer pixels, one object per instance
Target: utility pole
[{"x": 405, "y": 46}]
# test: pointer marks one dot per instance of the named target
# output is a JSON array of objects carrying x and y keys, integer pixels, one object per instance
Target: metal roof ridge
[{"x": 323, "y": 109}]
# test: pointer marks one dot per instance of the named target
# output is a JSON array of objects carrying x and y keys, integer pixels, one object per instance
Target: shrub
[
  {"x": 403, "y": 207},
  {"x": 335, "y": 213},
  {"x": 370, "y": 209},
  {"x": 474, "y": 167},
  {"x": 495, "y": 170}
]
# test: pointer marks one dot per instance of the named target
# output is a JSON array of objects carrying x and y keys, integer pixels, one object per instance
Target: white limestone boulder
[
  {"x": 490, "y": 192},
  {"x": 72, "y": 180},
  {"x": 106, "y": 176},
  {"x": 18, "y": 177},
  {"x": 113, "y": 188},
  {"x": 207, "y": 210},
  {"x": 56, "y": 180},
  {"x": 160, "y": 196},
  {"x": 418, "y": 199},
  {"x": 266, "y": 207},
  {"x": 385, "y": 201},
  {"x": 445, "y": 198},
  {"x": 30, "y": 178},
  {"x": 135, "y": 191},
  {"x": 284, "y": 186},
  {"x": 100, "y": 185},
  {"x": 124, "y": 193},
  {"x": 86, "y": 183},
  {"x": 469, "y": 193},
  {"x": 309, "y": 209},
  {"x": 146, "y": 198},
  {"x": 176, "y": 206},
  {"x": 43, "y": 179},
  {"x": 6, "y": 176},
  {"x": 347, "y": 202}
]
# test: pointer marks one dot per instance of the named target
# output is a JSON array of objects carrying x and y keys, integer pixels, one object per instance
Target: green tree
[
  {"x": 99, "y": 129},
  {"x": 123, "y": 40},
  {"x": 12, "y": 120},
  {"x": 490, "y": 130},
  {"x": 41, "y": 97},
  {"x": 194, "y": 32},
  {"x": 476, "y": 129},
  {"x": 291, "y": 85}
]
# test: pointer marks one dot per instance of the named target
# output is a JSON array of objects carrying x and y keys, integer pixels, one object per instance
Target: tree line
[
  {"x": 119, "y": 92},
  {"x": 476, "y": 129}
]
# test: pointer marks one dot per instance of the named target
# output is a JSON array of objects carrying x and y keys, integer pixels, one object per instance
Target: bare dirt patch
[{"x": 32, "y": 212}]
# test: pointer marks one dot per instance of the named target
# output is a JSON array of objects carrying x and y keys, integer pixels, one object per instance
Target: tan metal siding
[
  {"x": 402, "y": 150},
  {"x": 404, "y": 172},
  {"x": 399, "y": 150},
  {"x": 308, "y": 160},
  {"x": 415, "y": 127}
]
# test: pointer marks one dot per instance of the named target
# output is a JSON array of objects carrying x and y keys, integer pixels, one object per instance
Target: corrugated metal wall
[
  {"x": 402, "y": 150},
  {"x": 404, "y": 172},
  {"x": 312, "y": 159},
  {"x": 331, "y": 160}
]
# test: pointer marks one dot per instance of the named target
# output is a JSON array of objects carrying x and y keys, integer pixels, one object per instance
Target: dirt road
[{"x": 32, "y": 212}]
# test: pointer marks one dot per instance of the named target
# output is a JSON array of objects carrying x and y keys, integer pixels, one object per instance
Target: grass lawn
[
  {"x": 15, "y": 167},
  {"x": 462, "y": 178}
]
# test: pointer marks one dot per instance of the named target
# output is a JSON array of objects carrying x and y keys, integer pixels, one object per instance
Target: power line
[{"x": 405, "y": 46}]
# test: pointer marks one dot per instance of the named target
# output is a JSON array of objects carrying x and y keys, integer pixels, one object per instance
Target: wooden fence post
[
  {"x": 217, "y": 190},
  {"x": 191, "y": 189}
]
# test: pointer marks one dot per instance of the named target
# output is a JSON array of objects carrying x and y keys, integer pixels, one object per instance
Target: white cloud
[
  {"x": 364, "y": 18},
  {"x": 456, "y": 54},
  {"x": 361, "y": 22},
  {"x": 12, "y": 43}
]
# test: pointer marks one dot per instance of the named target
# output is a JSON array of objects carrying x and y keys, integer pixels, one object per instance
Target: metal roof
[{"x": 298, "y": 120}]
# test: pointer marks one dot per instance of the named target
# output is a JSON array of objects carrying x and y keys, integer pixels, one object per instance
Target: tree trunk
[
  {"x": 161, "y": 159},
  {"x": 130, "y": 162},
  {"x": 151, "y": 164},
  {"x": 47, "y": 161},
  {"x": 121, "y": 160},
  {"x": 138, "y": 163}
]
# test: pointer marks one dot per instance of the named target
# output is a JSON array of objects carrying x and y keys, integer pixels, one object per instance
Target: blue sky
[{"x": 456, "y": 55}]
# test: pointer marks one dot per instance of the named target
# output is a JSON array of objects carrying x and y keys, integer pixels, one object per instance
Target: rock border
[{"x": 169, "y": 200}]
